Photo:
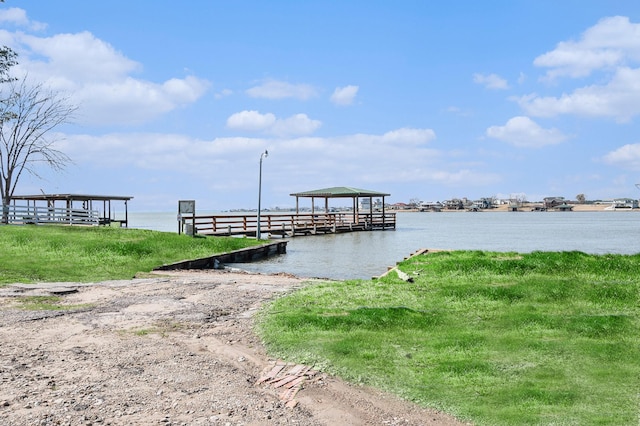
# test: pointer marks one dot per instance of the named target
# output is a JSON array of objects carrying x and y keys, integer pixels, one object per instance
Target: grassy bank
[
  {"x": 63, "y": 253},
  {"x": 495, "y": 338}
]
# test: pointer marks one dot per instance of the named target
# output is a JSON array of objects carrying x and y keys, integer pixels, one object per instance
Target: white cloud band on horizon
[{"x": 330, "y": 159}]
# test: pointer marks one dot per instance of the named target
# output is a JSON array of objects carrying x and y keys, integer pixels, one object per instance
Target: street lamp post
[{"x": 263, "y": 155}]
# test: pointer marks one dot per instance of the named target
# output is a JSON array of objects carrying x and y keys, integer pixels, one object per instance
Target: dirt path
[{"x": 176, "y": 349}]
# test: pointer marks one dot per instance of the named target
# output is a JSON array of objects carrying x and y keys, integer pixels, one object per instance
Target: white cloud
[
  {"x": 223, "y": 93},
  {"x": 251, "y": 121},
  {"x": 524, "y": 132},
  {"x": 79, "y": 58},
  {"x": 619, "y": 98},
  {"x": 17, "y": 16},
  {"x": 298, "y": 124},
  {"x": 522, "y": 78},
  {"x": 626, "y": 157},
  {"x": 273, "y": 89},
  {"x": 99, "y": 79},
  {"x": 344, "y": 95},
  {"x": 491, "y": 81},
  {"x": 612, "y": 46},
  {"x": 254, "y": 121},
  {"x": 133, "y": 101},
  {"x": 612, "y": 42},
  {"x": 409, "y": 136},
  {"x": 184, "y": 90},
  {"x": 458, "y": 111}
]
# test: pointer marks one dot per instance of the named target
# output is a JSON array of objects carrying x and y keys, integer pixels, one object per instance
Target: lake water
[{"x": 367, "y": 254}]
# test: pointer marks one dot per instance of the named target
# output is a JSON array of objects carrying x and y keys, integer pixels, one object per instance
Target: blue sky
[{"x": 423, "y": 100}]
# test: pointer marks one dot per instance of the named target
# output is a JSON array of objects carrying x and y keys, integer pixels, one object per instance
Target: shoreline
[{"x": 528, "y": 208}]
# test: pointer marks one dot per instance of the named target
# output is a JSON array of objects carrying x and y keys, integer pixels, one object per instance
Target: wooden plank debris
[
  {"x": 288, "y": 377},
  {"x": 271, "y": 374}
]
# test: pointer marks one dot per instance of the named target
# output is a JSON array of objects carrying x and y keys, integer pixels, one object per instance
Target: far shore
[{"x": 529, "y": 207}]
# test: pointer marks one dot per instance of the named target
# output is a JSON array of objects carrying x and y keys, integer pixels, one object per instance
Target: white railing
[{"x": 42, "y": 215}]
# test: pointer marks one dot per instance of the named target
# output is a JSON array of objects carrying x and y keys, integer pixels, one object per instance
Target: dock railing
[
  {"x": 292, "y": 224},
  {"x": 49, "y": 215}
]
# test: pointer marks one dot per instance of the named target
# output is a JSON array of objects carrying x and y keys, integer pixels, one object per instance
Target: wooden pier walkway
[{"x": 292, "y": 224}]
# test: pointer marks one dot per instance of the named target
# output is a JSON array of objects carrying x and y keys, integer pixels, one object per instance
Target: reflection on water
[{"x": 367, "y": 254}]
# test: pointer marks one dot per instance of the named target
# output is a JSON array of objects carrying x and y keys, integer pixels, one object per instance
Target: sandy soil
[{"x": 172, "y": 349}]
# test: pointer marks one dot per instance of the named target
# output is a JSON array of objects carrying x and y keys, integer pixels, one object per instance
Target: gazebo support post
[
  {"x": 355, "y": 209},
  {"x": 383, "y": 216}
]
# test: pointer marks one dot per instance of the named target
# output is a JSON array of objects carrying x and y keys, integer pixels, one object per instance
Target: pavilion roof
[
  {"x": 73, "y": 197},
  {"x": 340, "y": 192}
]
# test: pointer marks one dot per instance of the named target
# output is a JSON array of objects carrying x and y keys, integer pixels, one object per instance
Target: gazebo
[
  {"x": 70, "y": 202},
  {"x": 340, "y": 192}
]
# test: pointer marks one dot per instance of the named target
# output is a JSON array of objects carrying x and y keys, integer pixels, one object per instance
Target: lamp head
[{"x": 266, "y": 153}]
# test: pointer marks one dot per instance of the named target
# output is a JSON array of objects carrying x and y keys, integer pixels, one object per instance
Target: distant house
[
  {"x": 400, "y": 206},
  {"x": 624, "y": 203},
  {"x": 483, "y": 203},
  {"x": 427, "y": 206},
  {"x": 454, "y": 204},
  {"x": 564, "y": 207},
  {"x": 552, "y": 202}
]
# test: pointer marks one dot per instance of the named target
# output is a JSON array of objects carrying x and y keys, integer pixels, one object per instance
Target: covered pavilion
[
  {"x": 87, "y": 203},
  {"x": 340, "y": 192}
]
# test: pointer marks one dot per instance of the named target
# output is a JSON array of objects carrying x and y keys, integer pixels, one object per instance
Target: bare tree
[
  {"x": 518, "y": 198},
  {"x": 581, "y": 198},
  {"x": 414, "y": 202},
  {"x": 28, "y": 114}
]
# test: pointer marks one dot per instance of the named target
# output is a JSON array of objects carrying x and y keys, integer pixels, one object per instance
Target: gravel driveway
[{"x": 171, "y": 349}]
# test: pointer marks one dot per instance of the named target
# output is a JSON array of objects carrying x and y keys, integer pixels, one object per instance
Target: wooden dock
[{"x": 292, "y": 224}]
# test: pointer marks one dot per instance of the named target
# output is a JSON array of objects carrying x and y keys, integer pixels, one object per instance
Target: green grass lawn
[
  {"x": 77, "y": 253},
  {"x": 494, "y": 338}
]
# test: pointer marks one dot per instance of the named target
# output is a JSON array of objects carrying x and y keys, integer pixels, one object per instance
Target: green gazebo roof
[{"x": 340, "y": 192}]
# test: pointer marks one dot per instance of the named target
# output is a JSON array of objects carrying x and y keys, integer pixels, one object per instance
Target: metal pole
[{"x": 264, "y": 154}]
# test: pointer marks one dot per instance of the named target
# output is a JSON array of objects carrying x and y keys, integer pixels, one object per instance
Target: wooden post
[
  {"x": 355, "y": 210},
  {"x": 383, "y": 215}
]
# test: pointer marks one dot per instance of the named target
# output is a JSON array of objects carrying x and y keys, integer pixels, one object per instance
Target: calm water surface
[{"x": 367, "y": 254}]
